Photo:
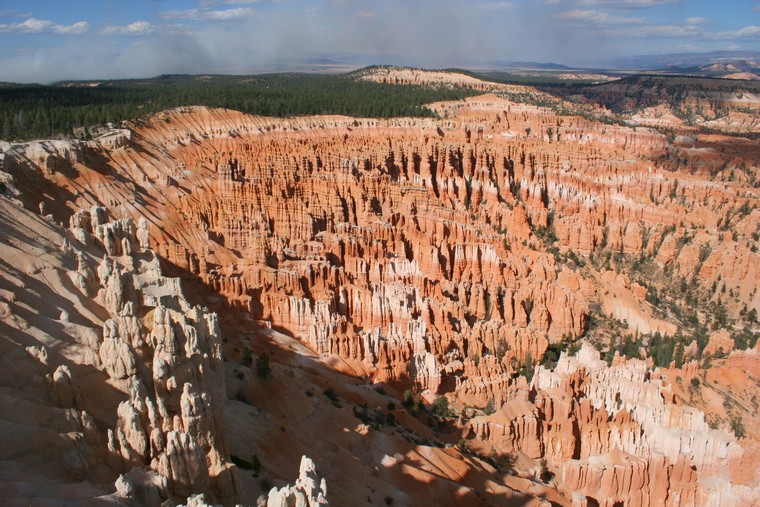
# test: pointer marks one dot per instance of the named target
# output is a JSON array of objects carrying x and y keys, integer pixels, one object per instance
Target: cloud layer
[
  {"x": 34, "y": 25},
  {"x": 243, "y": 36}
]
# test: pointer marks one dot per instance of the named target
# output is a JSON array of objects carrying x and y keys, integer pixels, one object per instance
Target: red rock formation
[{"x": 436, "y": 253}]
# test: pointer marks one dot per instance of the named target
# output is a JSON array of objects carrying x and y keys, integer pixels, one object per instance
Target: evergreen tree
[
  {"x": 33, "y": 111},
  {"x": 678, "y": 355},
  {"x": 247, "y": 358},
  {"x": 263, "y": 369},
  {"x": 408, "y": 398},
  {"x": 527, "y": 367}
]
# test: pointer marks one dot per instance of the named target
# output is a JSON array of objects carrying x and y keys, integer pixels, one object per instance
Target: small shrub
[
  {"x": 501, "y": 349},
  {"x": 441, "y": 407},
  {"x": 418, "y": 405},
  {"x": 408, "y": 398},
  {"x": 263, "y": 369},
  {"x": 330, "y": 393},
  {"x": 391, "y": 406},
  {"x": 546, "y": 475},
  {"x": 247, "y": 359},
  {"x": 738, "y": 426},
  {"x": 3, "y": 187},
  {"x": 527, "y": 367},
  {"x": 678, "y": 354}
]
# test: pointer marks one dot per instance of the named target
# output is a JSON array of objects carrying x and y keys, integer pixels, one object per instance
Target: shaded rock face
[
  {"x": 171, "y": 368},
  {"x": 49, "y": 156},
  {"x": 109, "y": 377},
  {"x": 166, "y": 356}
]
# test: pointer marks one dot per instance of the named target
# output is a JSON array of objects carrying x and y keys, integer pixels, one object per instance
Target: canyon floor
[{"x": 533, "y": 299}]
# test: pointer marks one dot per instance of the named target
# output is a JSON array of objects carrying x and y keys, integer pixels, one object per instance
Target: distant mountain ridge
[
  {"x": 530, "y": 65},
  {"x": 680, "y": 60}
]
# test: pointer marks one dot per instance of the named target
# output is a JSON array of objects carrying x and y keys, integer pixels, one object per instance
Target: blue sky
[{"x": 47, "y": 40}]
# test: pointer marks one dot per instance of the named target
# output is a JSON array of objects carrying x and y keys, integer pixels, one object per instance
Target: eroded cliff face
[
  {"x": 433, "y": 79},
  {"x": 682, "y": 102},
  {"x": 442, "y": 255}
]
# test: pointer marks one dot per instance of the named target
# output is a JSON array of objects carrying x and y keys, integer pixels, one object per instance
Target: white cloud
[
  {"x": 136, "y": 28},
  {"x": 597, "y": 17},
  {"x": 34, "y": 25},
  {"x": 209, "y": 15},
  {"x": 10, "y": 13},
  {"x": 697, "y": 21},
  {"x": 366, "y": 14},
  {"x": 226, "y": 15},
  {"x": 628, "y": 4},
  {"x": 751, "y": 32},
  {"x": 664, "y": 31},
  {"x": 75, "y": 29}
]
